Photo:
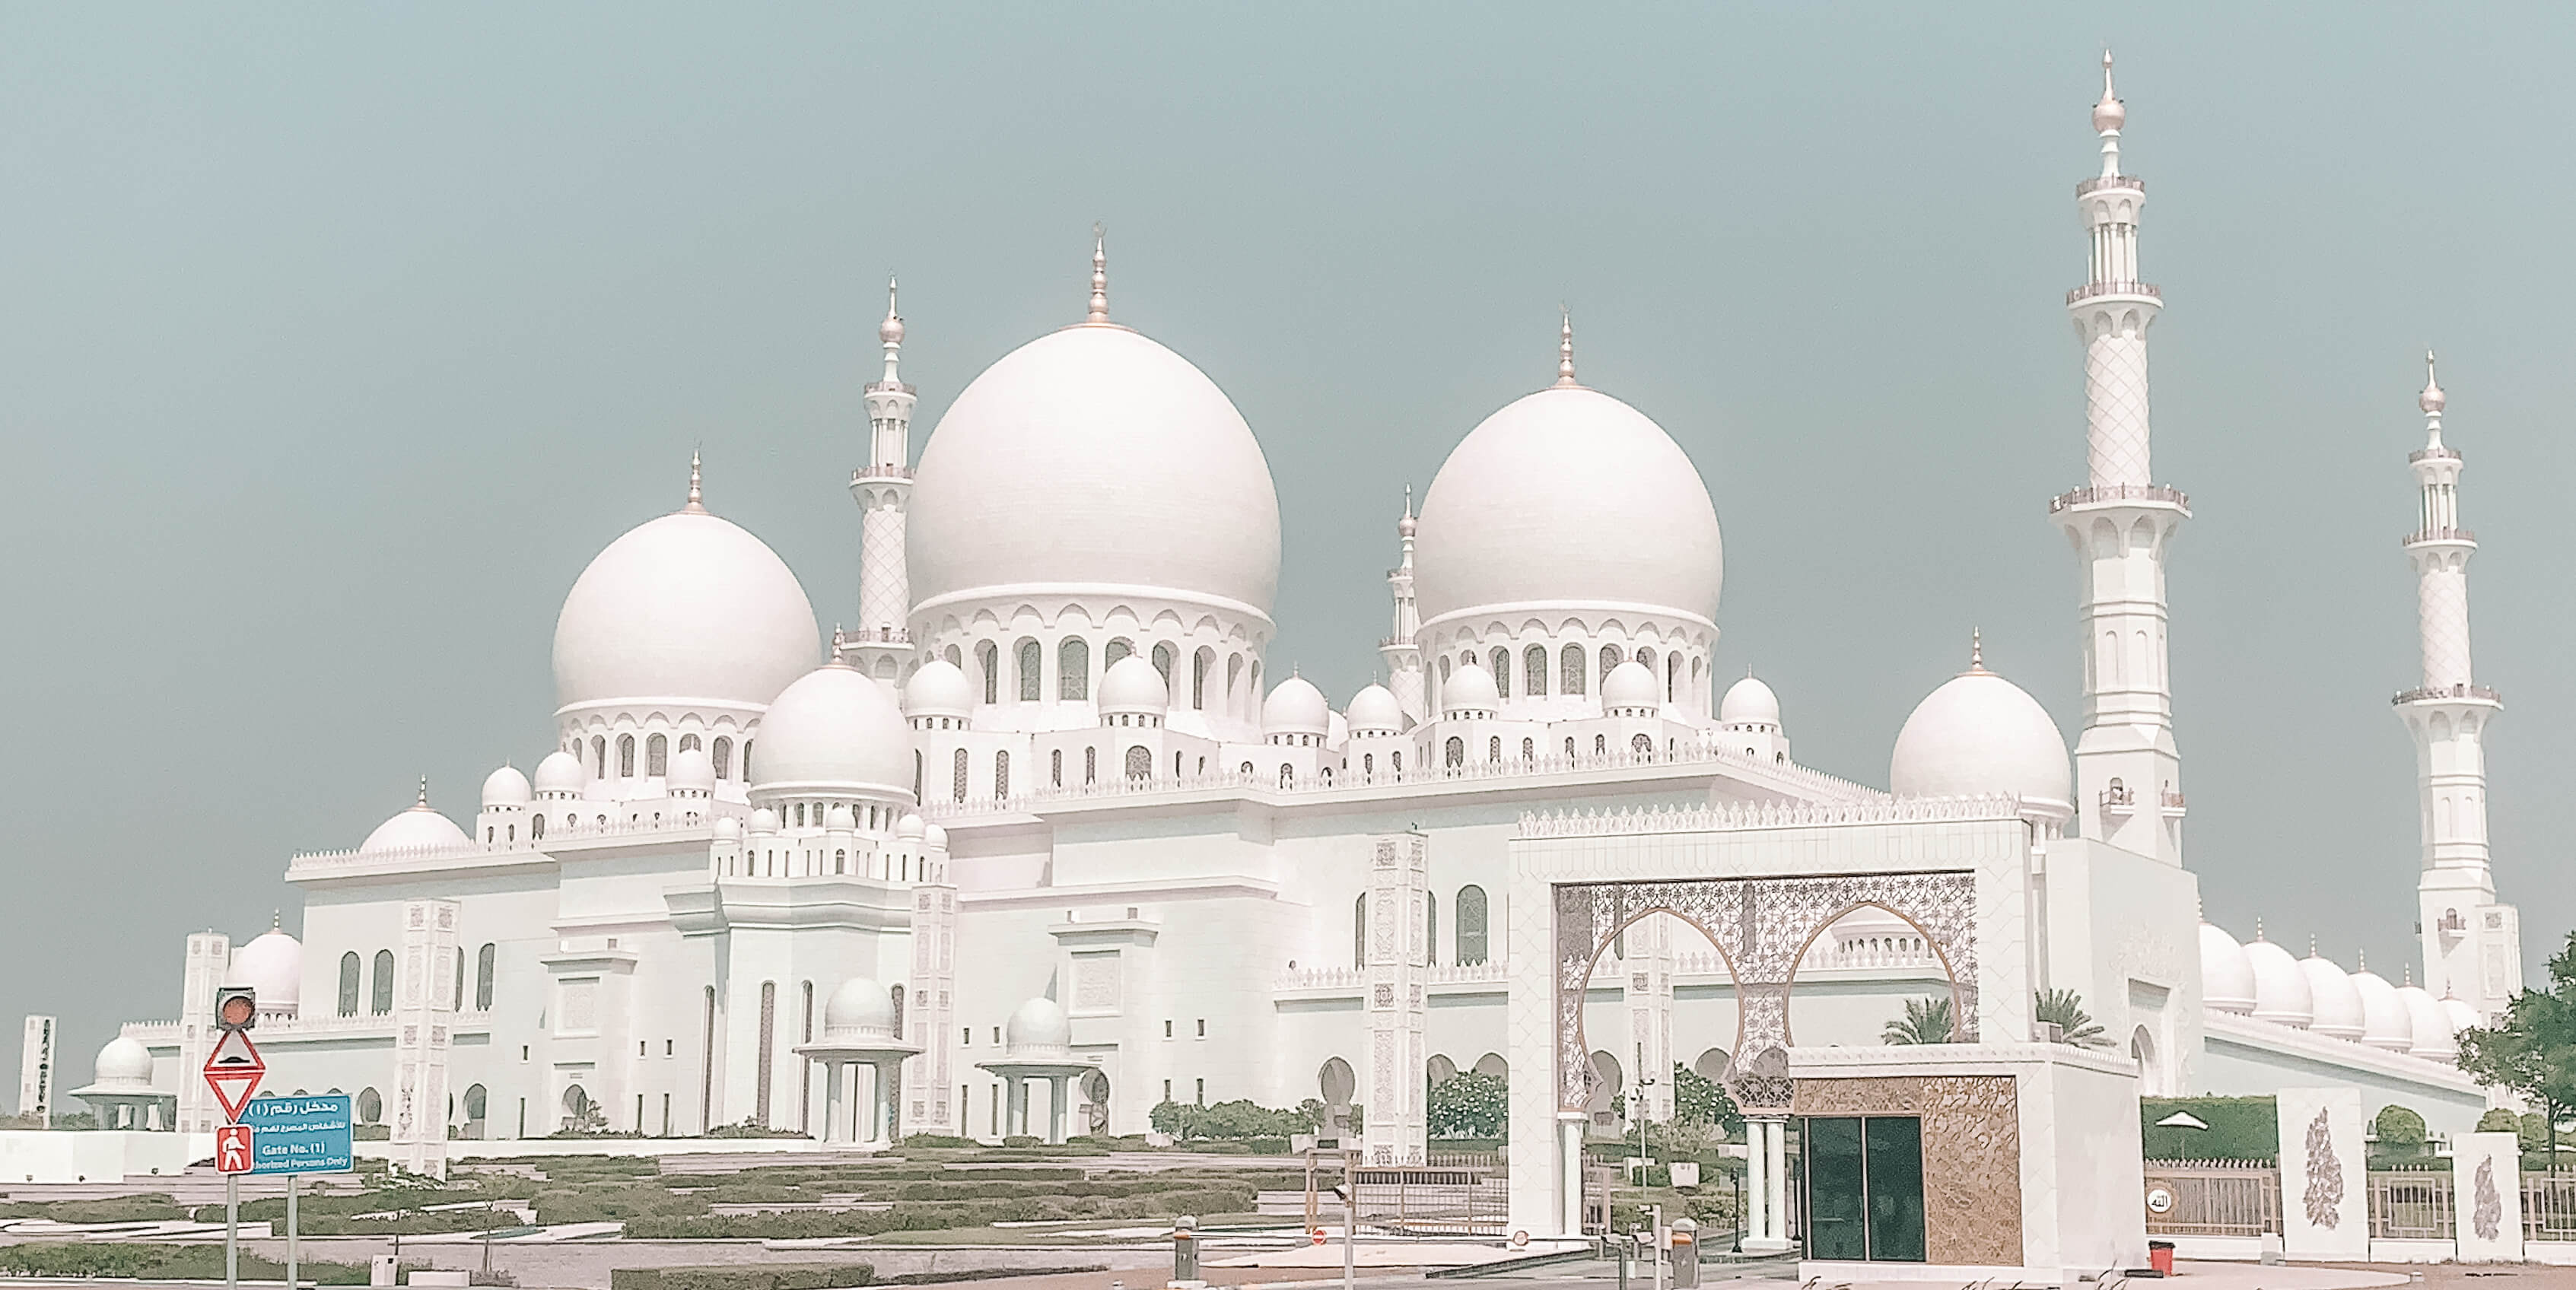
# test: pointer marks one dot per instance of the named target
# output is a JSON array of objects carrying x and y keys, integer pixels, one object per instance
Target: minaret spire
[
  {"x": 1099, "y": 275},
  {"x": 1565, "y": 350},
  {"x": 2128, "y": 771},
  {"x": 1403, "y": 657},
  {"x": 2472, "y": 944},
  {"x": 883, "y": 490}
]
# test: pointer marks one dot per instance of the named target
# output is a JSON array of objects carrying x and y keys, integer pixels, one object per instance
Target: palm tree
[
  {"x": 1926, "y": 1021},
  {"x": 2066, "y": 1008}
]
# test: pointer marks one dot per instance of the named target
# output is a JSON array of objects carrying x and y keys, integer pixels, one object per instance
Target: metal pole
[
  {"x": 1350, "y": 1215},
  {"x": 232, "y": 1231},
  {"x": 291, "y": 1188}
]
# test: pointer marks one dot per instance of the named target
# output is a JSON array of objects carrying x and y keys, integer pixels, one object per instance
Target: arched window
[
  {"x": 955, "y": 659},
  {"x": 746, "y": 759},
  {"x": 1114, "y": 651},
  {"x": 1642, "y": 746},
  {"x": 1073, "y": 669},
  {"x": 721, "y": 753},
  {"x": 1646, "y": 659},
  {"x": 1529, "y": 750},
  {"x": 1140, "y": 762},
  {"x": 688, "y": 742},
  {"x": 988, "y": 661},
  {"x": 1569, "y": 747},
  {"x": 1610, "y": 658},
  {"x": 918, "y": 765},
  {"x": 1457, "y": 751},
  {"x": 626, "y": 756},
  {"x": 1176, "y": 765},
  {"x": 349, "y": 984},
  {"x": 1534, "y": 671},
  {"x": 598, "y": 757},
  {"x": 1055, "y": 768},
  {"x": 1199, "y": 665},
  {"x": 1030, "y": 679},
  {"x": 1471, "y": 926},
  {"x": 657, "y": 755},
  {"x": 1430, "y": 928},
  {"x": 456, "y": 999},
  {"x": 477, "y": 1100},
  {"x": 1359, "y": 931},
  {"x": 1001, "y": 776},
  {"x": 380, "y": 987},
  {"x": 1600, "y": 745},
  {"x": 486, "y": 960},
  {"x": 1163, "y": 664},
  {"x": 1090, "y": 765},
  {"x": 800, "y": 815},
  {"x": 536, "y": 828},
  {"x": 1500, "y": 664},
  {"x": 1444, "y": 667},
  {"x": 1287, "y": 775},
  {"x": 1368, "y": 764},
  {"x": 1233, "y": 681},
  {"x": 1245, "y": 770},
  {"x": 1570, "y": 674},
  {"x": 1672, "y": 678},
  {"x": 957, "y": 776},
  {"x": 1494, "y": 748},
  {"x": 371, "y": 1106}
]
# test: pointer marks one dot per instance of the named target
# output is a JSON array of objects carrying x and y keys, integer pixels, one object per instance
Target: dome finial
[
  {"x": 2108, "y": 116},
  {"x": 2312, "y": 945},
  {"x": 2409, "y": 974},
  {"x": 890, "y": 332},
  {"x": 1406, "y": 525},
  {"x": 2258, "y": 927},
  {"x": 276, "y": 921},
  {"x": 423, "y": 803},
  {"x": 1976, "y": 649},
  {"x": 2431, "y": 400},
  {"x": 1099, "y": 275},
  {"x": 2361, "y": 959},
  {"x": 1565, "y": 348},
  {"x": 694, "y": 507}
]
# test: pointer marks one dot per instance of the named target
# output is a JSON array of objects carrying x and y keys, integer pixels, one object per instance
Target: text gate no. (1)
[{"x": 301, "y": 1135}]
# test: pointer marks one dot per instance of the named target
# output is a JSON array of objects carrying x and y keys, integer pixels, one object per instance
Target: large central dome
[{"x": 1094, "y": 458}]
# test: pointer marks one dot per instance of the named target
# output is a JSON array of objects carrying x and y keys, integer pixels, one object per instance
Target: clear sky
[{"x": 337, "y": 338}]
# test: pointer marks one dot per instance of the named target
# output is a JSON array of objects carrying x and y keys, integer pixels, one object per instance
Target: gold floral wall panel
[{"x": 1971, "y": 1155}]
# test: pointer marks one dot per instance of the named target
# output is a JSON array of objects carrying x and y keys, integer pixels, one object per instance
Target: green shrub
[
  {"x": 122, "y": 1209},
  {"x": 1469, "y": 1104},
  {"x": 2499, "y": 1120},
  {"x": 919, "y": 1141},
  {"x": 615, "y": 1202},
  {"x": 2240, "y": 1128},
  {"x": 755, "y": 1276},
  {"x": 163, "y": 1263},
  {"x": 2398, "y": 1127},
  {"x": 1023, "y": 1140}
]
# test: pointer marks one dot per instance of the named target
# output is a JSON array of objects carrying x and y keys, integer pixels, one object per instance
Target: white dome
[
  {"x": 2385, "y": 1023},
  {"x": 560, "y": 772},
  {"x": 1568, "y": 497},
  {"x": 2281, "y": 993},
  {"x": 1374, "y": 709},
  {"x": 123, "y": 1064},
  {"x": 835, "y": 729},
  {"x": 415, "y": 829},
  {"x": 691, "y": 768},
  {"x": 728, "y": 829},
  {"x": 764, "y": 820},
  {"x": 2461, "y": 1014},
  {"x": 1469, "y": 689},
  {"x": 1038, "y": 1031},
  {"x": 272, "y": 965},
  {"x": 939, "y": 689},
  {"x": 687, "y": 607},
  {"x": 1630, "y": 685},
  {"x": 840, "y": 818},
  {"x": 909, "y": 826},
  {"x": 2338, "y": 1005},
  {"x": 506, "y": 787},
  {"x": 2428, "y": 1023},
  {"x": 1132, "y": 685},
  {"x": 1295, "y": 706},
  {"x": 1094, "y": 457},
  {"x": 1980, "y": 734},
  {"x": 860, "y": 1009},
  {"x": 2226, "y": 975},
  {"x": 1749, "y": 703},
  {"x": 934, "y": 838}
]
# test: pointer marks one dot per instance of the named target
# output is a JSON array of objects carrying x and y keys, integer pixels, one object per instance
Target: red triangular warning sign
[{"x": 233, "y": 1071}]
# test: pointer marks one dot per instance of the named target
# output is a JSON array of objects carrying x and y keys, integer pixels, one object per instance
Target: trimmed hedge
[
  {"x": 163, "y": 1263},
  {"x": 615, "y": 1202},
  {"x": 753, "y": 1276},
  {"x": 2240, "y": 1128},
  {"x": 122, "y": 1209}
]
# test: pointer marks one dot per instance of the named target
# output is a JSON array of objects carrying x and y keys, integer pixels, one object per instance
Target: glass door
[{"x": 1864, "y": 1188}]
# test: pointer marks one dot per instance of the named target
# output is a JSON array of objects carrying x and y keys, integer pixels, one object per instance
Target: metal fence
[
  {"x": 1457, "y": 1193},
  {"x": 2549, "y": 1207},
  {"x": 2212, "y": 1198},
  {"x": 2414, "y": 1205}
]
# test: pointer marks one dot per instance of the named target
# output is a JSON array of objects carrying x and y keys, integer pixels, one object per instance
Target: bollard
[
  {"x": 1685, "y": 1254},
  {"x": 1185, "y": 1254}
]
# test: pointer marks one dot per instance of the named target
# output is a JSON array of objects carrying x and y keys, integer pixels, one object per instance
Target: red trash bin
[{"x": 2160, "y": 1257}]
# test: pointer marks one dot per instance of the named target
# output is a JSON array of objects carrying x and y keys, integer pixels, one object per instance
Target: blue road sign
[{"x": 300, "y": 1135}]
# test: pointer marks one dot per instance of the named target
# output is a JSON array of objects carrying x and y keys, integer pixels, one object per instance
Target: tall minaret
[
  {"x": 1403, "y": 655},
  {"x": 883, "y": 489},
  {"x": 2127, "y": 772},
  {"x": 2472, "y": 944}
]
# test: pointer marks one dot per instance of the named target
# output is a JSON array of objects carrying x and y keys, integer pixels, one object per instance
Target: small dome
[
  {"x": 560, "y": 772},
  {"x": 1295, "y": 706},
  {"x": 506, "y": 787},
  {"x": 764, "y": 820},
  {"x": 2385, "y": 1022},
  {"x": 2428, "y": 1023},
  {"x": 2432, "y": 399},
  {"x": 684, "y": 608},
  {"x": 840, "y": 819},
  {"x": 934, "y": 838},
  {"x": 1038, "y": 1031},
  {"x": 860, "y": 1009},
  {"x": 1132, "y": 685},
  {"x": 1374, "y": 711},
  {"x": 124, "y": 1064},
  {"x": 728, "y": 829},
  {"x": 939, "y": 689},
  {"x": 2109, "y": 114},
  {"x": 2338, "y": 1004},
  {"x": 2226, "y": 974},
  {"x": 272, "y": 965},
  {"x": 417, "y": 829},
  {"x": 1980, "y": 734},
  {"x": 1469, "y": 689},
  {"x": 836, "y": 729},
  {"x": 1749, "y": 703},
  {"x": 1629, "y": 685},
  {"x": 909, "y": 826},
  {"x": 2281, "y": 993},
  {"x": 2461, "y": 1014},
  {"x": 692, "y": 769}
]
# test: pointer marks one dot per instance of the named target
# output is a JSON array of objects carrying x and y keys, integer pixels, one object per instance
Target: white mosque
[{"x": 1047, "y": 816}]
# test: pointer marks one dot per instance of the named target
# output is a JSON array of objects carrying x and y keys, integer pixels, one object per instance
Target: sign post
[
  {"x": 296, "y": 1136},
  {"x": 232, "y": 1070}
]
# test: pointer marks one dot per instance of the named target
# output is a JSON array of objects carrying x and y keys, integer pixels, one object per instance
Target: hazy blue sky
[{"x": 337, "y": 339}]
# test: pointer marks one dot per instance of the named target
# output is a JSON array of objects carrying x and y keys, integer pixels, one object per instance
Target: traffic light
[{"x": 236, "y": 1007}]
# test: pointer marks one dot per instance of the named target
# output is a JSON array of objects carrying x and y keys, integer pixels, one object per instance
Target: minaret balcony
[
  {"x": 2100, "y": 182},
  {"x": 2158, "y": 495},
  {"x": 2443, "y": 533},
  {"x": 2448, "y": 693},
  {"x": 865, "y": 474},
  {"x": 2437, "y": 452},
  {"x": 2091, "y": 290}
]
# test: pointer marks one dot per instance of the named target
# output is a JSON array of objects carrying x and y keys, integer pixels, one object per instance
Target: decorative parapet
[
  {"x": 2161, "y": 493},
  {"x": 1352, "y": 979},
  {"x": 1741, "y": 816},
  {"x": 2423, "y": 694},
  {"x": 2100, "y": 182},
  {"x": 305, "y": 862}
]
